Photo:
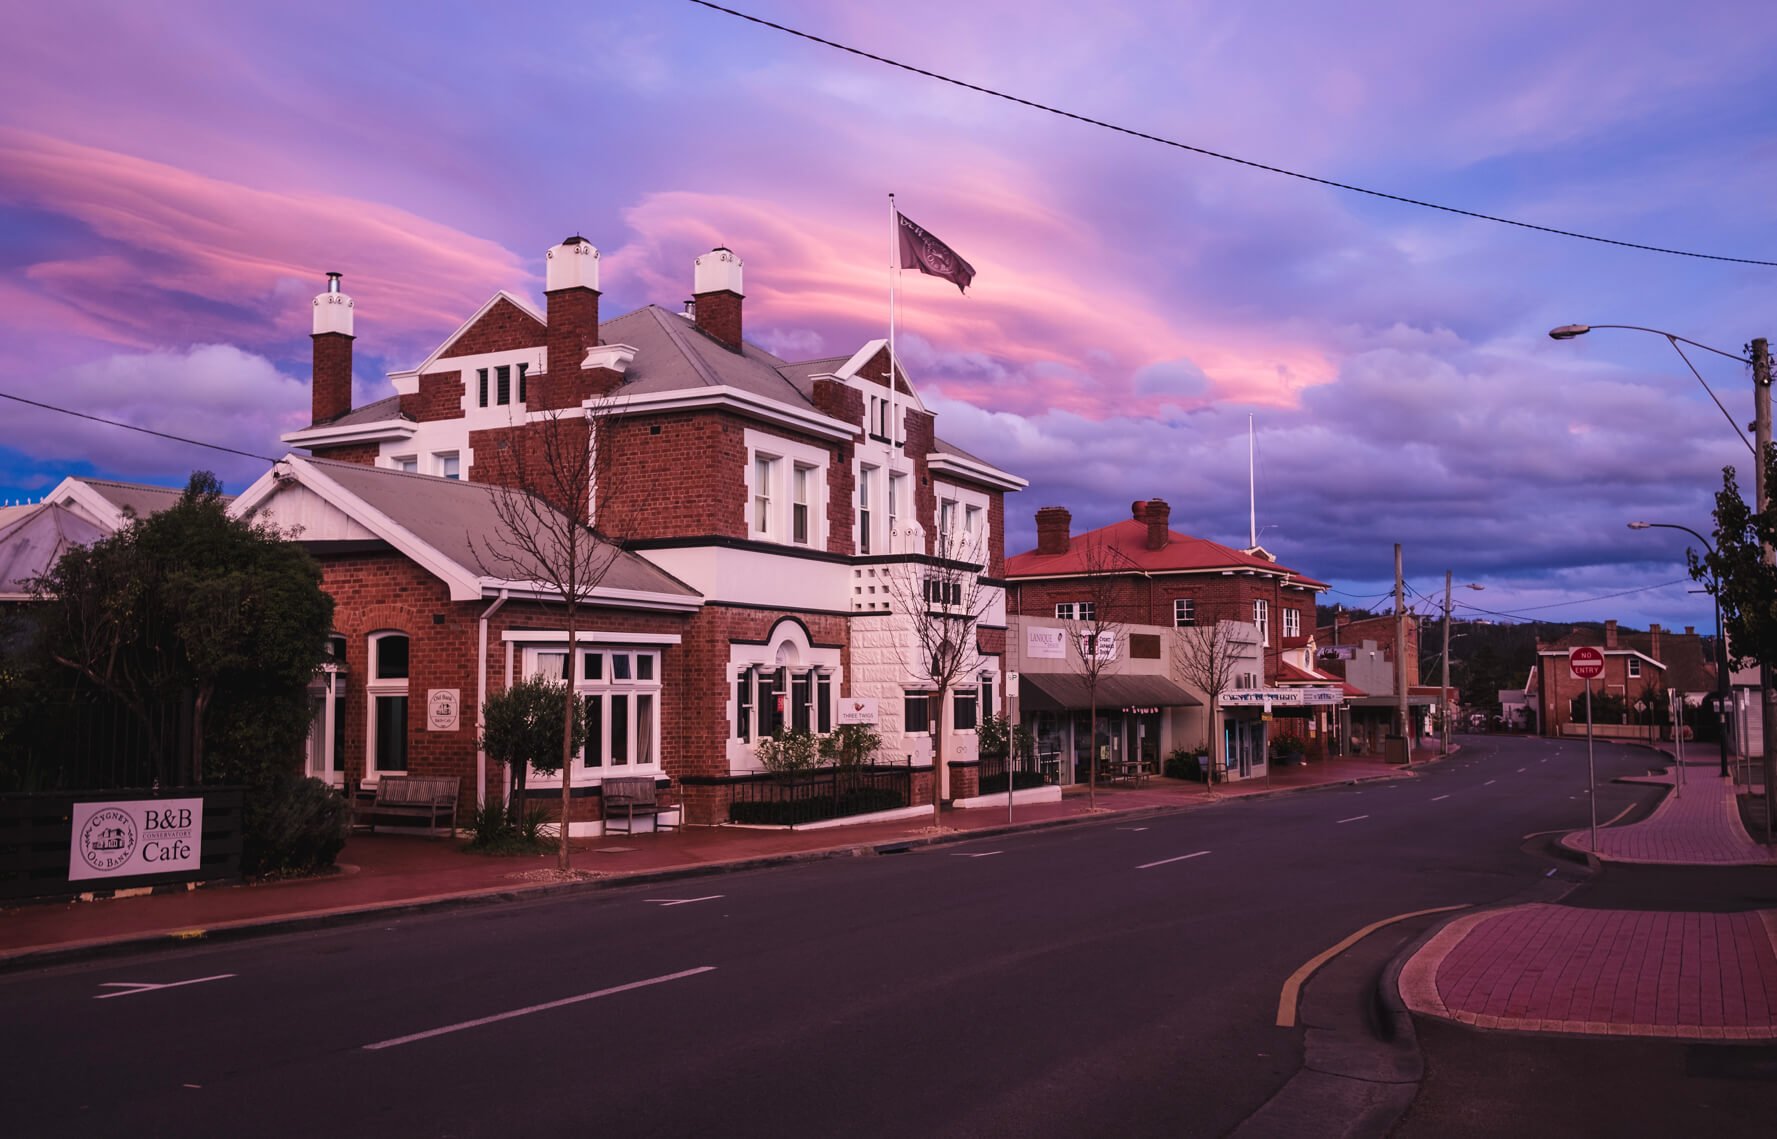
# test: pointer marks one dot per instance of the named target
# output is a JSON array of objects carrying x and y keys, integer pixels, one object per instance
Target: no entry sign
[{"x": 1585, "y": 662}]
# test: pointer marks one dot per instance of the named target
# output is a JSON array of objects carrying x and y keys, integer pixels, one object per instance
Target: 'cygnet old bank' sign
[{"x": 144, "y": 836}]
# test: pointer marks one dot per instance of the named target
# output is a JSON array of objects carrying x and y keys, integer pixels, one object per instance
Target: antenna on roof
[{"x": 1252, "y": 491}]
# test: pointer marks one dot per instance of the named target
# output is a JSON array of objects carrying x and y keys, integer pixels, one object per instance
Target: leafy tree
[
  {"x": 191, "y": 608},
  {"x": 523, "y": 728},
  {"x": 1745, "y": 584}
]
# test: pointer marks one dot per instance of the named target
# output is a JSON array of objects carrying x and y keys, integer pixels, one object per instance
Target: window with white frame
[
  {"x": 1184, "y": 611},
  {"x": 1634, "y": 666},
  {"x": 866, "y": 481},
  {"x": 965, "y": 709},
  {"x": 408, "y": 463},
  {"x": 450, "y": 465},
  {"x": 1292, "y": 622},
  {"x": 916, "y": 712},
  {"x": 897, "y": 487},
  {"x": 801, "y": 491},
  {"x": 764, "y": 474},
  {"x": 1262, "y": 618},
  {"x": 769, "y": 700},
  {"x": 972, "y": 522},
  {"x": 619, "y": 690},
  {"x": 387, "y": 691},
  {"x": 1075, "y": 610},
  {"x": 946, "y": 521}
]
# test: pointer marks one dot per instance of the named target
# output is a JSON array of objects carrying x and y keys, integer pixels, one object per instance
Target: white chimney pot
[
  {"x": 333, "y": 313},
  {"x": 572, "y": 265},
  {"x": 718, "y": 271}
]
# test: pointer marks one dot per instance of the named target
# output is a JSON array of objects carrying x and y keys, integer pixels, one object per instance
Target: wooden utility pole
[
  {"x": 1400, "y": 657},
  {"x": 1761, "y": 429},
  {"x": 1444, "y": 692}
]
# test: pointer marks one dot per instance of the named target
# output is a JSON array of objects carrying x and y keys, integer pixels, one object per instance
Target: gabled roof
[
  {"x": 1127, "y": 544},
  {"x": 451, "y": 528}
]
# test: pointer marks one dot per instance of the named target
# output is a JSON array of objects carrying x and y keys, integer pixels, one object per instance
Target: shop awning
[
  {"x": 1066, "y": 691},
  {"x": 1391, "y": 701}
]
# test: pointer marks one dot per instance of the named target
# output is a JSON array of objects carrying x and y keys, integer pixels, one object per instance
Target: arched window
[{"x": 387, "y": 688}]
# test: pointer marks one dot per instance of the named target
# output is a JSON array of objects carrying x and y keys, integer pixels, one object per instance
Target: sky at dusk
[{"x": 175, "y": 180}]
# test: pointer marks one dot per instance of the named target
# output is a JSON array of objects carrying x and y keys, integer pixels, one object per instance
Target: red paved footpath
[
  {"x": 384, "y": 871},
  {"x": 1551, "y": 968},
  {"x": 1548, "y": 968}
]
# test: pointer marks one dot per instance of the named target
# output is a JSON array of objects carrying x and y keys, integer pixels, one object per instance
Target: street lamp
[
  {"x": 1761, "y": 447},
  {"x": 1569, "y": 331},
  {"x": 1721, "y": 647},
  {"x": 1444, "y": 690}
]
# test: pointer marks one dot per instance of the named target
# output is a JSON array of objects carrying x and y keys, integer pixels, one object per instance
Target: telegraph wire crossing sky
[{"x": 163, "y": 225}]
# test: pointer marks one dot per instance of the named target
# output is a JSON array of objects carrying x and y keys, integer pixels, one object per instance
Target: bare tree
[
  {"x": 941, "y": 600},
  {"x": 1210, "y": 658},
  {"x": 555, "y": 534},
  {"x": 1092, "y": 636}
]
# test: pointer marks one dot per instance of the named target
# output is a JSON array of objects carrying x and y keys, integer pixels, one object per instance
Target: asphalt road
[{"x": 1115, "y": 979}]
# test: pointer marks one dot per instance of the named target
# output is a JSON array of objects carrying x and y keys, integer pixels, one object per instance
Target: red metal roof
[{"x": 1127, "y": 541}]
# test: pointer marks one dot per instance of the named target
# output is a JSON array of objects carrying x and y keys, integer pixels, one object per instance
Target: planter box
[{"x": 1049, "y": 794}]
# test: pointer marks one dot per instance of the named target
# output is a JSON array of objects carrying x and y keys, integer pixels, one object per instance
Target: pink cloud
[
  {"x": 1071, "y": 325},
  {"x": 251, "y": 255}
]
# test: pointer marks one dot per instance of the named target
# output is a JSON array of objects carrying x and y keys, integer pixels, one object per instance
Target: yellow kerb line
[{"x": 1292, "y": 988}]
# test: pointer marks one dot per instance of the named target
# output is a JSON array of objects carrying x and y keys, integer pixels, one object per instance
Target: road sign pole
[{"x": 1591, "y": 767}]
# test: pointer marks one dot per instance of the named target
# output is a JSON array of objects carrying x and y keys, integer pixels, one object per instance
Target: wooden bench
[
  {"x": 628, "y": 798},
  {"x": 429, "y": 797}
]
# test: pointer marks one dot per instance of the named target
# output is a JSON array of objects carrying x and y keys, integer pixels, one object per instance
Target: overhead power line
[
  {"x": 1205, "y": 152},
  {"x": 1576, "y": 601},
  {"x": 133, "y": 427}
]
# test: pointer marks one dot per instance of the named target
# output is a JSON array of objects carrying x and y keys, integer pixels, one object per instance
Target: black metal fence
[
  {"x": 818, "y": 795},
  {"x": 1025, "y": 772}
]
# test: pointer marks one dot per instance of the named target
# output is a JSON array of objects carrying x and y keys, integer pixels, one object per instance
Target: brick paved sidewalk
[
  {"x": 384, "y": 871},
  {"x": 1549, "y": 968},
  {"x": 1698, "y": 824}
]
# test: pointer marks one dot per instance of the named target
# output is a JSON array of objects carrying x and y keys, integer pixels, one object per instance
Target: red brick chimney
[
  {"x": 571, "y": 290},
  {"x": 1158, "y": 516},
  {"x": 1053, "y": 523},
  {"x": 1653, "y": 648},
  {"x": 1610, "y": 634},
  {"x": 716, "y": 296},
  {"x": 332, "y": 377}
]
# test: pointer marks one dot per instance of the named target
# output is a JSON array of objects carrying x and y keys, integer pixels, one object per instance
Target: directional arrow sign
[{"x": 1585, "y": 662}]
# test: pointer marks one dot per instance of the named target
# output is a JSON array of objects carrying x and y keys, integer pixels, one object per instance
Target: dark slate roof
[
  {"x": 460, "y": 521},
  {"x": 378, "y": 412}
]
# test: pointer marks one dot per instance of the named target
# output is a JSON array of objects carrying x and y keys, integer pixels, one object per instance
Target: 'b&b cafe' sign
[{"x": 144, "y": 836}]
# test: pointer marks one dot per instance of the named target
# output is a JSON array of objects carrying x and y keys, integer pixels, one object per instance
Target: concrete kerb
[{"x": 23, "y": 959}]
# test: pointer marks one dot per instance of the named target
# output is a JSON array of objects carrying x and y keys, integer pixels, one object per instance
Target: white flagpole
[
  {"x": 894, "y": 432},
  {"x": 1252, "y": 488}
]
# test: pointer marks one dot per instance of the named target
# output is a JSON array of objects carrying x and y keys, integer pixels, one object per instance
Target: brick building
[
  {"x": 1149, "y": 580},
  {"x": 1638, "y": 668},
  {"x": 777, "y": 521}
]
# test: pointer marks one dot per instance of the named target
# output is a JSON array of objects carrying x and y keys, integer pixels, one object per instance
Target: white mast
[
  {"x": 894, "y": 430},
  {"x": 1252, "y": 493}
]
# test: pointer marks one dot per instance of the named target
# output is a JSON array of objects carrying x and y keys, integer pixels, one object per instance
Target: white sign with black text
[
  {"x": 1045, "y": 644},
  {"x": 856, "y": 710},
  {"x": 143, "y": 836}
]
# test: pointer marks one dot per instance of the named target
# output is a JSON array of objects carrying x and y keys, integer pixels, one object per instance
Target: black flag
[{"x": 920, "y": 250}]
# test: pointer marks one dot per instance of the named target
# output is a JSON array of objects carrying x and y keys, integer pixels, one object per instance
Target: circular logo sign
[
  {"x": 108, "y": 839},
  {"x": 1586, "y": 662}
]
